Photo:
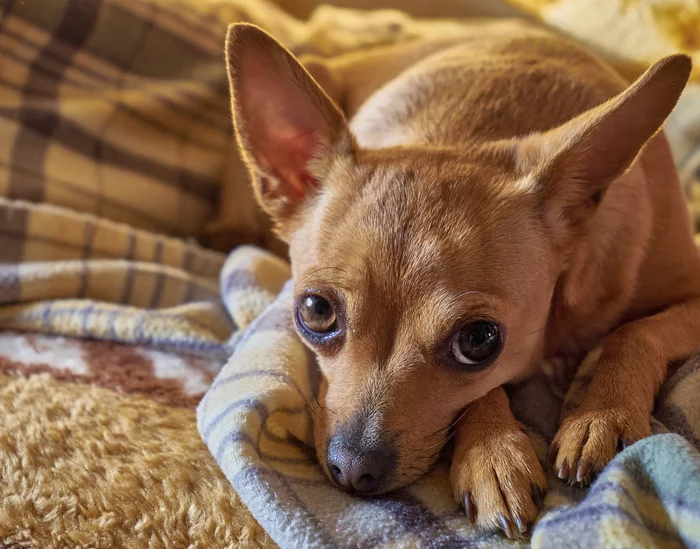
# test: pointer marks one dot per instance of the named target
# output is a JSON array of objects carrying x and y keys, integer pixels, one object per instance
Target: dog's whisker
[
  {"x": 464, "y": 413},
  {"x": 542, "y": 329},
  {"x": 440, "y": 443},
  {"x": 314, "y": 411}
]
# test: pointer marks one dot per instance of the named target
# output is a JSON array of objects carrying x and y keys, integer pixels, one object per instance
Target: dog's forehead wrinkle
[
  {"x": 391, "y": 204},
  {"x": 410, "y": 230}
]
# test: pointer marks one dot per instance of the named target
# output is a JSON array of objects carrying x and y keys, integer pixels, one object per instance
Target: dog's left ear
[
  {"x": 288, "y": 129},
  {"x": 571, "y": 166}
]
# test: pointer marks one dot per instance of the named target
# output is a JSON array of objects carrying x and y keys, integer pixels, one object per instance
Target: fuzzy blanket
[{"x": 115, "y": 322}]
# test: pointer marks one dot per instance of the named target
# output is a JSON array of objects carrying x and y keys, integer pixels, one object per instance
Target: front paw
[
  {"x": 590, "y": 437},
  {"x": 498, "y": 479}
]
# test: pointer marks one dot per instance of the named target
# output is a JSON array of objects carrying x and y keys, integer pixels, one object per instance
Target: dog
[{"x": 455, "y": 211}]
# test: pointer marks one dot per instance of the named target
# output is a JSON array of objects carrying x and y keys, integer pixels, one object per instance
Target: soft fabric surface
[
  {"x": 114, "y": 108},
  {"x": 106, "y": 142},
  {"x": 83, "y": 276},
  {"x": 178, "y": 380},
  {"x": 84, "y": 467},
  {"x": 257, "y": 421}
]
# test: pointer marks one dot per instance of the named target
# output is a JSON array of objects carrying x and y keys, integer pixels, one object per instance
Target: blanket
[
  {"x": 256, "y": 420},
  {"x": 115, "y": 322}
]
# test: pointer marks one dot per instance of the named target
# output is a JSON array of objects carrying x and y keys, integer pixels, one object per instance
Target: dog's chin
[{"x": 402, "y": 480}]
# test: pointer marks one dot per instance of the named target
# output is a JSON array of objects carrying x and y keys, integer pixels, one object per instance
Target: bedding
[
  {"x": 153, "y": 392},
  {"x": 257, "y": 420}
]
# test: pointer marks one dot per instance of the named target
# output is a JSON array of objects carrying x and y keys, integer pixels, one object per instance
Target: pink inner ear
[
  {"x": 283, "y": 123},
  {"x": 288, "y": 156}
]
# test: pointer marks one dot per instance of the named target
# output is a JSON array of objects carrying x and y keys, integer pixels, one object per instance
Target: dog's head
[{"x": 423, "y": 276}]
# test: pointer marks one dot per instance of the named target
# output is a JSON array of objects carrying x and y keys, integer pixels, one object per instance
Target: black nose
[{"x": 359, "y": 471}]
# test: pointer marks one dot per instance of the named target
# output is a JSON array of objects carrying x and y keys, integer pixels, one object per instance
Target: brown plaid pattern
[{"x": 116, "y": 108}]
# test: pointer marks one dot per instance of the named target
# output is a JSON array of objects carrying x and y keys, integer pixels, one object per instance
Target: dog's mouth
[{"x": 366, "y": 455}]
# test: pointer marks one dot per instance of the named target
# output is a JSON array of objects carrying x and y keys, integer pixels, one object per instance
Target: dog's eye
[
  {"x": 316, "y": 314},
  {"x": 476, "y": 343}
]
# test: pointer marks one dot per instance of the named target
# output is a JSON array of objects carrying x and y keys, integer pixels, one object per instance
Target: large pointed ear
[
  {"x": 571, "y": 166},
  {"x": 288, "y": 129}
]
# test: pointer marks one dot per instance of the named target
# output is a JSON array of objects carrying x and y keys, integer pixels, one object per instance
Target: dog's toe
[
  {"x": 500, "y": 485},
  {"x": 589, "y": 439}
]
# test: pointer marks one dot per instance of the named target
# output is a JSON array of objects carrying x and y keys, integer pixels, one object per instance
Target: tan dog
[{"x": 487, "y": 206}]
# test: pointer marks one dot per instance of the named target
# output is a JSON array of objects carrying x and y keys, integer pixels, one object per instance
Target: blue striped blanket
[{"x": 256, "y": 421}]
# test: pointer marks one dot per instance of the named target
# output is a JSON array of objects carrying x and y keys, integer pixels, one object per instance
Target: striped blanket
[
  {"x": 116, "y": 323},
  {"x": 256, "y": 421}
]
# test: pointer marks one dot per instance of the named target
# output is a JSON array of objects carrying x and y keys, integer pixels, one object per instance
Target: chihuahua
[{"x": 456, "y": 210}]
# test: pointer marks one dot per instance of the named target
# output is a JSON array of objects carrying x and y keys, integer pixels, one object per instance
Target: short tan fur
[{"x": 508, "y": 177}]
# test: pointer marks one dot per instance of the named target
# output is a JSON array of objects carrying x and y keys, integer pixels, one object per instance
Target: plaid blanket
[
  {"x": 113, "y": 144},
  {"x": 71, "y": 94},
  {"x": 77, "y": 275}
]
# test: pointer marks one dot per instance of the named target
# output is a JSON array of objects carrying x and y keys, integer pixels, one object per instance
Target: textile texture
[{"x": 256, "y": 420}]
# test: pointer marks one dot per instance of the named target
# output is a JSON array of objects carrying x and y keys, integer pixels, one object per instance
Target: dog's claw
[
  {"x": 506, "y": 526},
  {"x": 564, "y": 471},
  {"x": 497, "y": 494},
  {"x": 582, "y": 472},
  {"x": 469, "y": 507}
]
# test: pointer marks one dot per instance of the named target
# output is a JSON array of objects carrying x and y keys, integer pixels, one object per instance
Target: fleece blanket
[
  {"x": 256, "y": 420},
  {"x": 115, "y": 323}
]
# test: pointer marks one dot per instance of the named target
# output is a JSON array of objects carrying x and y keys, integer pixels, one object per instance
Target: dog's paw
[
  {"x": 499, "y": 481},
  {"x": 590, "y": 437}
]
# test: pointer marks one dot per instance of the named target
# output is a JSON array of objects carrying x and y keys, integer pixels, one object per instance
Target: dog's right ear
[{"x": 288, "y": 128}]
